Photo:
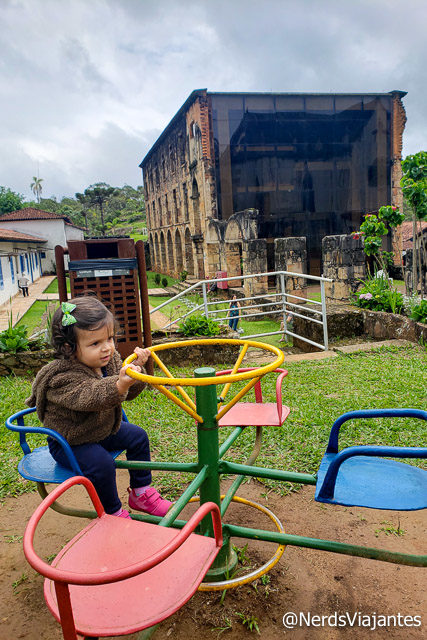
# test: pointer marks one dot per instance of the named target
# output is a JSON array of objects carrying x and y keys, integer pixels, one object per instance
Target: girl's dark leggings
[{"x": 97, "y": 464}]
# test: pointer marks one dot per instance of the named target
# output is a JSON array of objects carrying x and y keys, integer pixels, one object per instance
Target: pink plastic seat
[
  {"x": 258, "y": 413},
  {"x": 119, "y": 576}
]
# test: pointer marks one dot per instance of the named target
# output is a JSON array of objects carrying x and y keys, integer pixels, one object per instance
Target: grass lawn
[
  {"x": 33, "y": 317},
  {"x": 153, "y": 285},
  {"x": 138, "y": 236},
  {"x": 53, "y": 287},
  {"x": 317, "y": 392},
  {"x": 314, "y": 296}
]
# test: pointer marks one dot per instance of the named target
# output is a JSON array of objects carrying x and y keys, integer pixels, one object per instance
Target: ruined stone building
[{"x": 233, "y": 172}]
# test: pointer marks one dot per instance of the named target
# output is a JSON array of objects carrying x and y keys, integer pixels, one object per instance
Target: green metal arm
[{"x": 372, "y": 553}]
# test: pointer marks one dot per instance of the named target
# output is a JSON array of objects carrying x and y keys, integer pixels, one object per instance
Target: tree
[
  {"x": 414, "y": 188},
  {"x": 374, "y": 227},
  {"x": 10, "y": 201},
  {"x": 36, "y": 187},
  {"x": 85, "y": 204},
  {"x": 97, "y": 195}
]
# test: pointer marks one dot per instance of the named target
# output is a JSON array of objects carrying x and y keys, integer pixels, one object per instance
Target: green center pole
[{"x": 208, "y": 451}]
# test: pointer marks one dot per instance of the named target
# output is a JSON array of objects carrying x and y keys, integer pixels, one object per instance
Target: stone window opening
[
  {"x": 194, "y": 190},
  {"x": 175, "y": 206},
  {"x": 153, "y": 209},
  {"x": 172, "y": 159},
  {"x": 168, "y": 213},
  {"x": 185, "y": 193},
  {"x": 160, "y": 212}
]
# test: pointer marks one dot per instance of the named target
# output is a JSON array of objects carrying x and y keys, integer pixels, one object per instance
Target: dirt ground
[{"x": 303, "y": 581}]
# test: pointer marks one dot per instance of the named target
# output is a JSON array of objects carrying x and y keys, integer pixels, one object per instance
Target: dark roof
[
  {"x": 29, "y": 213},
  {"x": 407, "y": 233},
  {"x": 201, "y": 92},
  {"x": 17, "y": 236}
]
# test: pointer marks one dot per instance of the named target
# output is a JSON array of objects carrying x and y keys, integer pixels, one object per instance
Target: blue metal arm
[
  {"x": 22, "y": 430},
  {"x": 328, "y": 486},
  {"x": 370, "y": 413}
]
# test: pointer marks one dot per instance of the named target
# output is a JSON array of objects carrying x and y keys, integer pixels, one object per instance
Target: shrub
[
  {"x": 165, "y": 281},
  {"x": 377, "y": 294},
  {"x": 199, "y": 326},
  {"x": 183, "y": 275},
  {"x": 419, "y": 312},
  {"x": 157, "y": 278},
  {"x": 14, "y": 339}
]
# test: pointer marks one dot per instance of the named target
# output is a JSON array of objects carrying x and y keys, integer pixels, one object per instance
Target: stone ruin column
[
  {"x": 254, "y": 258},
  {"x": 290, "y": 254},
  {"x": 344, "y": 262},
  {"x": 398, "y": 126}
]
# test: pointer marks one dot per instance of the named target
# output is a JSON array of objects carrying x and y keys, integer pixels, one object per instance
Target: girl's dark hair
[{"x": 90, "y": 314}]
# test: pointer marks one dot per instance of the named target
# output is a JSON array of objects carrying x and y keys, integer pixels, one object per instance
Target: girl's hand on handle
[
  {"x": 142, "y": 356},
  {"x": 125, "y": 382}
]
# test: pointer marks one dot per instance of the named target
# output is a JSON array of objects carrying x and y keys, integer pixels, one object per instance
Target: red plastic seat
[
  {"x": 258, "y": 413},
  {"x": 119, "y": 576}
]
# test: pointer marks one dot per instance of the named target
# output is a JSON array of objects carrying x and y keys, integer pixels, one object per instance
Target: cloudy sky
[{"x": 87, "y": 86}]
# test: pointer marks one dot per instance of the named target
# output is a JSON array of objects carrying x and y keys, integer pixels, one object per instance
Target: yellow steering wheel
[{"x": 188, "y": 404}]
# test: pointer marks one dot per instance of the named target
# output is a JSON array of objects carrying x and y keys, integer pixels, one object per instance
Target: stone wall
[
  {"x": 25, "y": 363},
  {"x": 343, "y": 262},
  {"x": 254, "y": 259},
  {"x": 348, "y": 322},
  {"x": 398, "y": 126},
  {"x": 180, "y": 191},
  {"x": 386, "y": 326},
  {"x": 290, "y": 254},
  {"x": 197, "y": 355},
  {"x": 28, "y": 363},
  {"x": 408, "y": 271}
]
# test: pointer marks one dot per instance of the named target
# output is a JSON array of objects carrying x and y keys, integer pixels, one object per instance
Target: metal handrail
[{"x": 282, "y": 300}]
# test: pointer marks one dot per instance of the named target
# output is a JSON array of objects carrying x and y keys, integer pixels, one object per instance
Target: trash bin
[
  {"x": 224, "y": 283},
  {"x": 108, "y": 268}
]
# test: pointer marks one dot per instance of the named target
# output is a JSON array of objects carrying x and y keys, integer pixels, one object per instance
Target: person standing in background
[
  {"x": 233, "y": 314},
  {"x": 23, "y": 285}
]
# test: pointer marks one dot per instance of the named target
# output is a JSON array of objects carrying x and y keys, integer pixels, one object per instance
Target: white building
[
  {"x": 20, "y": 255},
  {"x": 54, "y": 229}
]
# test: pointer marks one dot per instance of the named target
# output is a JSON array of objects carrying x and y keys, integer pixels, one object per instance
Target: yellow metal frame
[
  {"x": 202, "y": 382},
  {"x": 227, "y": 379},
  {"x": 258, "y": 573}
]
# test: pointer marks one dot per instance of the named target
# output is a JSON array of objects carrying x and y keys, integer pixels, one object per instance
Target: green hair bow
[{"x": 67, "y": 318}]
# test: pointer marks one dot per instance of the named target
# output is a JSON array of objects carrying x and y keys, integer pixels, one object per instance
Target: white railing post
[
  {"x": 205, "y": 299},
  {"x": 285, "y": 312},
  {"x": 324, "y": 316}
]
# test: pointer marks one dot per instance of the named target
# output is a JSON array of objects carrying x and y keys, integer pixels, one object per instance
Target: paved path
[
  {"x": 20, "y": 305},
  {"x": 158, "y": 292}
]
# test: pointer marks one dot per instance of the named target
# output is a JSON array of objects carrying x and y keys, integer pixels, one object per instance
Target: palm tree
[{"x": 36, "y": 187}]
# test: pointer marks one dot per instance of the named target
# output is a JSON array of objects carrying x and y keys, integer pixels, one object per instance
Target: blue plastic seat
[
  {"x": 37, "y": 464},
  {"x": 359, "y": 476}
]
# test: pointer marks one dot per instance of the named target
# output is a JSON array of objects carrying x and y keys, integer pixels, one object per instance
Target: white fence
[{"x": 280, "y": 303}]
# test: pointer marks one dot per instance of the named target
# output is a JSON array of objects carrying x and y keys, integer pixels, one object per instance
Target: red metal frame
[
  {"x": 232, "y": 418},
  {"x": 117, "y": 526},
  {"x": 111, "y": 576}
]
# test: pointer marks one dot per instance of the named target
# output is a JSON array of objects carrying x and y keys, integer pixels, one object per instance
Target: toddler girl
[{"x": 79, "y": 394}]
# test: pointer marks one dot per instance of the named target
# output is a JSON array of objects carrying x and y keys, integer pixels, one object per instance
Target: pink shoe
[
  {"x": 150, "y": 501},
  {"x": 123, "y": 514}
]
